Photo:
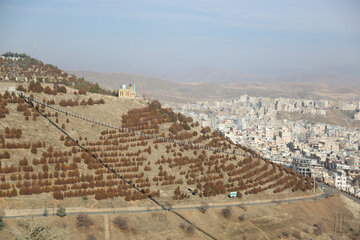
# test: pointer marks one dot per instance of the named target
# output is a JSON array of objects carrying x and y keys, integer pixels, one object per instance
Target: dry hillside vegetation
[
  {"x": 301, "y": 220},
  {"x": 37, "y": 158},
  {"x": 28, "y": 69}
]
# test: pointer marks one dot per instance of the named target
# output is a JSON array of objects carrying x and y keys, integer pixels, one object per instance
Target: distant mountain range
[
  {"x": 209, "y": 86},
  {"x": 209, "y": 75}
]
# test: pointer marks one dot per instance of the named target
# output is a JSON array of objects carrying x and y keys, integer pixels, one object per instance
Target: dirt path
[{"x": 106, "y": 227}]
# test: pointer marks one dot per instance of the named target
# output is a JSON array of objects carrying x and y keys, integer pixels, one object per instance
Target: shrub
[
  {"x": 121, "y": 223},
  {"x": 2, "y": 224},
  {"x": 62, "y": 89},
  {"x": 21, "y": 88},
  {"x": 83, "y": 220},
  {"x": 61, "y": 212},
  {"x": 35, "y": 87},
  {"x": 82, "y": 92},
  {"x": 318, "y": 229},
  {"x": 90, "y": 101},
  {"x": 46, "y": 212},
  {"x": 297, "y": 235},
  {"x": 189, "y": 229},
  {"x": 242, "y": 218},
  {"x": 91, "y": 237},
  {"x": 226, "y": 213}
]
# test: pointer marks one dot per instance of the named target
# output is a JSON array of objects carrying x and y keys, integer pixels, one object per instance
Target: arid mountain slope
[{"x": 38, "y": 158}]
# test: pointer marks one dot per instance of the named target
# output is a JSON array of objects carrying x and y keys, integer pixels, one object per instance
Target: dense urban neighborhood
[{"x": 327, "y": 152}]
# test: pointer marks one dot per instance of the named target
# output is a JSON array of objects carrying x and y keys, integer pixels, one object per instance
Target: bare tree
[
  {"x": 83, "y": 220},
  {"x": 188, "y": 229},
  {"x": 28, "y": 229},
  {"x": 204, "y": 207}
]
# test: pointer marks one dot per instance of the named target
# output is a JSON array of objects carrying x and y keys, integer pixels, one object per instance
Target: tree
[
  {"x": 46, "y": 212},
  {"x": 61, "y": 212},
  {"x": 94, "y": 88},
  {"x": 82, "y": 92},
  {"x": 2, "y": 224},
  {"x": 21, "y": 88}
]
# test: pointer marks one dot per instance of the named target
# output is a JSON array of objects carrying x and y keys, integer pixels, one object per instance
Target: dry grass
[{"x": 261, "y": 222}]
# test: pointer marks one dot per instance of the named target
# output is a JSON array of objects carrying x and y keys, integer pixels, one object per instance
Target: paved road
[
  {"x": 326, "y": 193},
  {"x": 335, "y": 191}
]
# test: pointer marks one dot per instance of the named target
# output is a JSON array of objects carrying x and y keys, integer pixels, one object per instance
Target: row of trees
[{"x": 72, "y": 103}]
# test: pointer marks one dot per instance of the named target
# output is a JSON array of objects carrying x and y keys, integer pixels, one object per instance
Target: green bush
[
  {"x": 61, "y": 212},
  {"x": 2, "y": 224}
]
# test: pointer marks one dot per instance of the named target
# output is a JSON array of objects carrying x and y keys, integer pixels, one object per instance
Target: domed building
[{"x": 127, "y": 91}]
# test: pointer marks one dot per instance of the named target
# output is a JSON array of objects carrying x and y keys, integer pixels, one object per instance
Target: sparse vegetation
[
  {"x": 319, "y": 228},
  {"x": 297, "y": 235},
  {"x": 29, "y": 229},
  {"x": 188, "y": 229},
  {"x": 226, "y": 212},
  {"x": 2, "y": 224},
  {"x": 46, "y": 212},
  {"x": 121, "y": 223},
  {"x": 91, "y": 237},
  {"x": 83, "y": 220},
  {"x": 204, "y": 207}
]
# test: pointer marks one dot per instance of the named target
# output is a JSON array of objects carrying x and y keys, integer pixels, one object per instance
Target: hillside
[
  {"x": 23, "y": 68},
  {"x": 42, "y": 168},
  {"x": 61, "y": 145},
  {"x": 37, "y": 158}
]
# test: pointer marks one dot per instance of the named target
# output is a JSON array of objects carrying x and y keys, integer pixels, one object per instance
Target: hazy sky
[{"x": 152, "y": 37}]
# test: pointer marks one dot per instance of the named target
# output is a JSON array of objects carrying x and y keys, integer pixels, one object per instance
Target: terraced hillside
[{"x": 159, "y": 152}]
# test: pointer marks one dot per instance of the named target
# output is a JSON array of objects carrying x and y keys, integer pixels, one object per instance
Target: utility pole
[{"x": 314, "y": 183}]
